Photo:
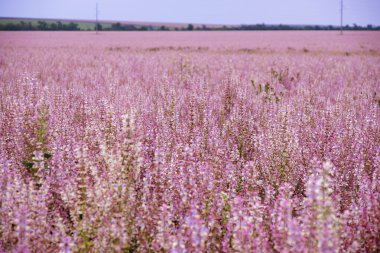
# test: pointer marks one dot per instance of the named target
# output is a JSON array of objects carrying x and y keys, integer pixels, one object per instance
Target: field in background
[
  {"x": 189, "y": 142},
  {"x": 275, "y": 41},
  {"x": 27, "y": 24},
  {"x": 82, "y": 25}
]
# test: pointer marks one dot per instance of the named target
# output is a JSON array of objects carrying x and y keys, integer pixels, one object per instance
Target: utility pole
[
  {"x": 96, "y": 24},
  {"x": 341, "y": 17}
]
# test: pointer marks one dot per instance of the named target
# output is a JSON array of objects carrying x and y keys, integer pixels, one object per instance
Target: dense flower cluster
[{"x": 188, "y": 149}]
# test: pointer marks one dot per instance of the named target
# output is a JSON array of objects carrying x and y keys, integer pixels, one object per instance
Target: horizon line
[{"x": 173, "y": 24}]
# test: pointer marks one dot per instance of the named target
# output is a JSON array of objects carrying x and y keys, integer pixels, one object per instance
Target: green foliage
[
  {"x": 266, "y": 91},
  {"x": 226, "y": 208},
  {"x": 28, "y": 165},
  {"x": 42, "y": 126},
  {"x": 47, "y": 155},
  {"x": 240, "y": 183},
  {"x": 39, "y": 140},
  {"x": 132, "y": 247},
  {"x": 42, "y": 25},
  {"x": 49, "y": 25},
  {"x": 87, "y": 242},
  {"x": 99, "y": 27}
]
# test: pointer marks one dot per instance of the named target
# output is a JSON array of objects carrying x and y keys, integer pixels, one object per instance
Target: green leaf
[
  {"x": 47, "y": 155},
  {"x": 28, "y": 165}
]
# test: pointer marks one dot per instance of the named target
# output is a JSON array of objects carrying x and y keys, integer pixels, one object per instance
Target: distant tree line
[
  {"x": 40, "y": 26},
  {"x": 128, "y": 27},
  {"x": 299, "y": 27},
  {"x": 72, "y": 26}
]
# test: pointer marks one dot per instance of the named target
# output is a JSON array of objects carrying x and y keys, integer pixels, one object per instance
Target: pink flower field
[{"x": 189, "y": 142}]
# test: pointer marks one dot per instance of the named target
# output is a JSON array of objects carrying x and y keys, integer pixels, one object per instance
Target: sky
[{"x": 318, "y": 12}]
